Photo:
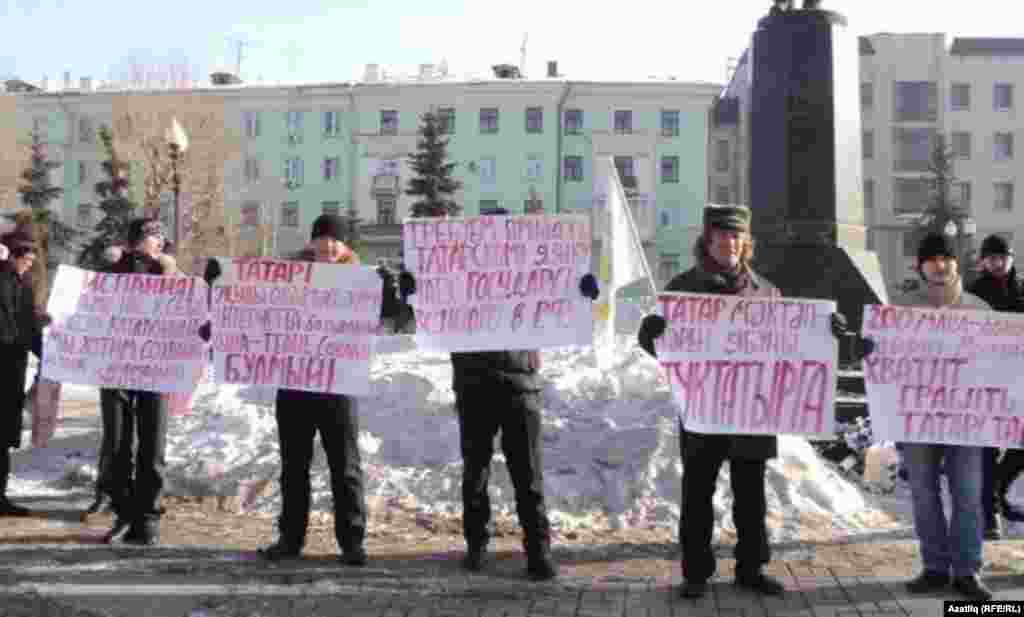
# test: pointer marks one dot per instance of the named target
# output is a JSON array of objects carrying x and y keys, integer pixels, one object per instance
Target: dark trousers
[
  {"x": 701, "y": 464},
  {"x": 299, "y": 416},
  {"x": 5, "y": 470},
  {"x": 117, "y": 426},
  {"x": 1011, "y": 466},
  {"x": 518, "y": 417},
  {"x": 989, "y": 497},
  {"x": 136, "y": 472}
]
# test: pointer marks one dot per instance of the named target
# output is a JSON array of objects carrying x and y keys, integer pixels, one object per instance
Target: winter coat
[
  {"x": 499, "y": 372},
  {"x": 748, "y": 447},
  {"x": 20, "y": 331},
  {"x": 1009, "y": 298},
  {"x": 960, "y": 299},
  {"x": 130, "y": 262}
]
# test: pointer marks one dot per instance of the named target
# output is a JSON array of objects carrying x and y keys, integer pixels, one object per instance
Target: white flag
[{"x": 622, "y": 255}]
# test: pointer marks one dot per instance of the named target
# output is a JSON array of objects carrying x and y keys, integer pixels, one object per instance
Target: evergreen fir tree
[
  {"x": 433, "y": 182},
  {"x": 118, "y": 209}
]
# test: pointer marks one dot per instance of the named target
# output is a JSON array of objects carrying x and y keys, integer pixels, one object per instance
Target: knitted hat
[
  {"x": 140, "y": 229},
  {"x": 935, "y": 244},
  {"x": 734, "y": 218},
  {"x": 330, "y": 225},
  {"x": 995, "y": 245}
]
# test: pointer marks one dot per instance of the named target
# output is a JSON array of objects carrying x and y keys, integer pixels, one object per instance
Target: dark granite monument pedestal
[{"x": 806, "y": 189}]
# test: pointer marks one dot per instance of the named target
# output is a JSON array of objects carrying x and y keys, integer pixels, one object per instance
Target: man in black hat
[
  {"x": 136, "y": 415},
  {"x": 951, "y": 550},
  {"x": 1003, "y": 289},
  {"x": 723, "y": 256}
]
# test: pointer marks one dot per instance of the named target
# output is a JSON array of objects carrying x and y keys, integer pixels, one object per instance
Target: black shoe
[
  {"x": 539, "y": 566},
  {"x": 693, "y": 589},
  {"x": 280, "y": 550},
  {"x": 118, "y": 532},
  {"x": 927, "y": 582},
  {"x": 355, "y": 556},
  {"x": 9, "y": 509},
  {"x": 475, "y": 558},
  {"x": 760, "y": 582},
  {"x": 143, "y": 534},
  {"x": 972, "y": 587}
]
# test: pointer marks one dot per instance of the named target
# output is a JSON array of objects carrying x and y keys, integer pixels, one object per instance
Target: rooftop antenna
[
  {"x": 240, "y": 44},
  {"x": 522, "y": 56}
]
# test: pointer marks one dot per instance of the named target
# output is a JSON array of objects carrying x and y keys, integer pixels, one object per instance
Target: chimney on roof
[
  {"x": 372, "y": 74},
  {"x": 223, "y": 78},
  {"x": 506, "y": 71},
  {"x": 85, "y": 84},
  {"x": 552, "y": 68},
  {"x": 426, "y": 71},
  {"x": 45, "y": 84},
  {"x": 67, "y": 80}
]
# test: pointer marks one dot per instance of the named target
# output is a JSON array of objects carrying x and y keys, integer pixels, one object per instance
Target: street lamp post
[{"x": 177, "y": 144}]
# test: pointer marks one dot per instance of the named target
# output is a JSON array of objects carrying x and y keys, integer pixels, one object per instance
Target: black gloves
[
  {"x": 652, "y": 327},
  {"x": 588, "y": 286},
  {"x": 406, "y": 284},
  {"x": 861, "y": 347},
  {"x": 212, "y": 272},
  {"x": 204, "y": 332}
]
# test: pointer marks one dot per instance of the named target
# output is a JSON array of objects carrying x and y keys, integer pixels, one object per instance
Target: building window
[
  {"x": 83, "y": 173},
  {"x": 910, "y": 195},
  {"x": 869, "y": 240},
  {"x": 912, "y": 149},
  {"x": 627, "y": 171},
  {"x": 534, "y": 119},
  {"x": 960, "y": 97},
  {"x": 1003, "y": 146},
  {"x": 867, "y": 96},
  {"x": 332, "y": 168},
  {"x": 86, "y": 131},
  {"x": 722, "y": 194},
  {"x": 623, "y": 121},
  {"x": 388, "y": 122},
  {"x": 293, "y": 172},
  {"x": 488, "y": 171},
  {"x": 488, "y": 206},
  {"x": 1002, "y": 97},
  {"x": 722, "y": 155},
  {"x": 534, "y": 167},
  {"x": 446, "y": 121},
  {"x": 332, "y": 124},
  {"x": 39, "y": 126},
  {"x": 250, "y": 215},
  {"x": 1003, "y": 196},
  {"x": 573, "y": 121},
  {"x": 572, "y": 168},
  {"x": 533, "y": 206},
  {"x": 668, "y": 266},
  {"x": 252, "y": 169},
  {"x": 962, "y": 195},
  {"x": 670, "y": 123},
  {"x": 84, "y": 215},
  {"x": 915, "y": 101},
  {"x": 869, "y": 194},
  {"x": 293, "y": 124},
  {"x": 867, "y": 144},
  {"x": 386, "y": 210},
  {"x": 332, "y": 208},
  {"x": 290, "y": 214},
  {"x": 251, "y": 123},
  {"x": 489, "y": 120},
  {"x": 962, "y": 145},
  {"x": 670, "y": 170}
]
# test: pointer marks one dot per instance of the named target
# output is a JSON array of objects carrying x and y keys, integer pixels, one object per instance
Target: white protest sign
[
  {"x": 295, "y": 324},
  {"x": 750, "y": 365},
  {"x": 131, "y": 331},
  {"x": 489, "y": 283},
  {"x": 945, "y": 376}
]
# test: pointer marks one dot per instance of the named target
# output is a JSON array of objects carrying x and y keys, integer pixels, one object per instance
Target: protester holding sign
[
  {"x": 301, "y": 414},
  {"x": 1001, "y": 286},
  {"x": 130, "y": 415},
  {"x": 723, "y": 255},
  {"x": 946, "y": 545},
  {"x": 19, "y": 333}
]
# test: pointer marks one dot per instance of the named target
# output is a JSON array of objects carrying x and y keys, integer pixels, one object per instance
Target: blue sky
[{"x": 332, "y": 41}]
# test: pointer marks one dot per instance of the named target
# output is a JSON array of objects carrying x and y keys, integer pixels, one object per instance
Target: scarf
[{"x": 724, "y": 280}]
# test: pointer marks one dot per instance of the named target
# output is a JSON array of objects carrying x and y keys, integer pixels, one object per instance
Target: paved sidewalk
[{"x": 95, "y": 581}]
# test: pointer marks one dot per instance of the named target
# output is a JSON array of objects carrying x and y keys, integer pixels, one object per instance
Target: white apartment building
[{"x": 915, "y": 87}]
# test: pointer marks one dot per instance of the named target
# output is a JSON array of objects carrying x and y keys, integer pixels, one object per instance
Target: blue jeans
[{"x": 947, "y": 544}]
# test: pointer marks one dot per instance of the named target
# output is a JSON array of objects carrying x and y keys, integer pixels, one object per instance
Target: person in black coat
[
  {"x": 136, "y": 471},
  {"x": 723, "y": 266},
  {"x": 1002, "y": 288},
  {"x": 20, "y": 332}
]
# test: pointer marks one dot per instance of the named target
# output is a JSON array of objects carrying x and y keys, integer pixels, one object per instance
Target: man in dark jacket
[
  {"x": 19, "y": 333},
  {"x": 723, "y": 254},
  {"x": 136, "y": 415},
  {"x": 1002, "y": 288}
]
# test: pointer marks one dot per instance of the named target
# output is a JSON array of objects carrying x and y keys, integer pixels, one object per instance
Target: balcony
[{"x": 384, "y": 186}]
